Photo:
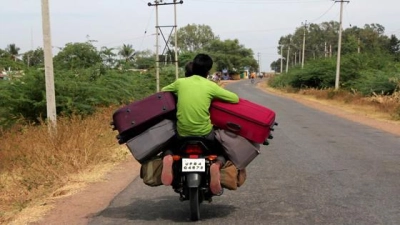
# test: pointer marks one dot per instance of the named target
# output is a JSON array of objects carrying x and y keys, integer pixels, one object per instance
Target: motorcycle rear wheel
[{"x": 194, "y": 204}]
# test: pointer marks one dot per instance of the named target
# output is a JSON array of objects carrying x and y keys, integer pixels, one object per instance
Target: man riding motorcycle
[{"x": 195, "y": 94}]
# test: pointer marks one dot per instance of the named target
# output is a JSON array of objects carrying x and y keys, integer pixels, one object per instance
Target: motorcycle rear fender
[{"x": 193, "y": 180}]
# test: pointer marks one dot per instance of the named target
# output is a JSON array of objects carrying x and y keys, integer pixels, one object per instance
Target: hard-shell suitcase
[
  {"x": 152, "y": 141},
  {"x": 247, "y": 119},
  {"x": 138, "y": 116}
]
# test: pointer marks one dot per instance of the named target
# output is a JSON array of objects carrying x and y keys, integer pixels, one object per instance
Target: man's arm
[
  {"x": 226, "y": 95},
  {"x": 171, "y": 87}
]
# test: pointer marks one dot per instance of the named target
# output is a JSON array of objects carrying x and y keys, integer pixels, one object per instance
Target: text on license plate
[{"x": 193, "y": 165}]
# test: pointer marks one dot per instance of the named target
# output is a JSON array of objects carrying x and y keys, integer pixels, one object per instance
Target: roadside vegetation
[
  {"x": 379, "y": 89},
  {"x": 369, "y": 73}
]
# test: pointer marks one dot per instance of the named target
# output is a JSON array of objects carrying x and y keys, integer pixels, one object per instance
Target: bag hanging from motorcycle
[
  {"x": 232, "y": 177},
  {"x": 238, "y": 149},
  {"x": 150, "y": 172}
]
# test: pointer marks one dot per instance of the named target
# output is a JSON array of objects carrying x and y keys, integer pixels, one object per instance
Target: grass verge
[
  {"x": 377, "y": 106},
  {"x": 35, "y": 165}
]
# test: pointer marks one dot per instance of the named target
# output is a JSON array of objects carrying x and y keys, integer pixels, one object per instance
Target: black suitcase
[{"x": 138, "y": 116}]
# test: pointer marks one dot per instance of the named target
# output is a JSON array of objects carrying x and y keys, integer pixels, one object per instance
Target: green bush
[
  {"x": 77, "y": 92},
  {"x": 375, "y": 81},
  {"x": 365, "y": 73}
]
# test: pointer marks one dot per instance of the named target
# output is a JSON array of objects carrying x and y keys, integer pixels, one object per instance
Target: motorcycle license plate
[{"x": 193, "y": 165}]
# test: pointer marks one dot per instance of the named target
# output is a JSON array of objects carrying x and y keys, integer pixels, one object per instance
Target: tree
[
  {"x": 144, "y": 59},
  {"x": 34, "y": 57},
  {"x": 127, "y": 52},
  {"x": 370, "y": 39},
  {"x": 394, "y": 45},
  {"x": 231, "y": 55},
  {"x": 13, "y": 50},
  {"x": 7, "y": 61},
  {"x": 194, "y": 37},
  {"x": 276, "y": 66},
  {"x": 77, "y": 55},
  {"x": 108, "y": 56},
  {"x": 185, "y": 57}
]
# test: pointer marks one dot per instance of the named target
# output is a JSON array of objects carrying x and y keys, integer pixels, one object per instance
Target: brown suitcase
[{"x": 138, "y": 116}]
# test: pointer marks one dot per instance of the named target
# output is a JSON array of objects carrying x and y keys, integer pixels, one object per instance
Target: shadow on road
[{"x": 166, "y": 208}]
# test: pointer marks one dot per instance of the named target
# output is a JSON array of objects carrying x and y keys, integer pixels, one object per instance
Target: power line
[
  {"x": 125, "y": 40},
  {"x": 147, "y": 26},
  {"x": 347, "y": 15},
  {"x": 260, "y": 2},
  {"x": 394, "y": 31},
  {"x": 323, "y": 13},
  {"x": 249, "y": 31}
]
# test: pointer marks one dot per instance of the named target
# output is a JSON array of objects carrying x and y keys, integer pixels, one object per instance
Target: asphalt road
[{"x": 318, "y": 169}]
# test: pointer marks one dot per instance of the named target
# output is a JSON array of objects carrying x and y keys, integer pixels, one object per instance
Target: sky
[{"x": 257, "y": 24}]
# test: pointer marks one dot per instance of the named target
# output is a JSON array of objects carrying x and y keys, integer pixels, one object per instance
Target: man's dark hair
[
  {"x": 188, "y": 69},
  {"x": 202, "y": 64}
]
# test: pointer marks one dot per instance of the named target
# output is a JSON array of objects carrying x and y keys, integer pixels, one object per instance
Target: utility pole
[
  {"x": 339, "y": 45},
  {"x": 48, "y": 62},
  {"x": 304, "y": 44},
  {"x": 158, "y": 31},
  {"x": 358, "y": 46},
  {"x": 259, "y": 66},
  {"x": 281, "y": 59},
  {"x": 287, "y": 58},
  {"x": 176, "y": 44},
  {"x": 157, "y": 56},
  {"x": 299, "y": 58}
]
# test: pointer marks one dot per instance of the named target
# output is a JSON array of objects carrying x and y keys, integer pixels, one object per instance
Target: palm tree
[
  {"x": 127, "y": 52},
  {"x": 13, "y": 50},
  {"x": 108, "y": 55}
]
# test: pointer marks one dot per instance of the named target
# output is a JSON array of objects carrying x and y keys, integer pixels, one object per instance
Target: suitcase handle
[{"x": 233, "y": 127}]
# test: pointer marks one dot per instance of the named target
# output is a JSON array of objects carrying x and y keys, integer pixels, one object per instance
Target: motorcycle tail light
[
  {"x": 212, "y": 157},
  {"x": 193, "y": 150},
  {"x": 176, "y": 157}
]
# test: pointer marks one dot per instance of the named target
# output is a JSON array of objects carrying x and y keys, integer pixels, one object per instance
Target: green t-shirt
[{"x": 195, "y": 94}]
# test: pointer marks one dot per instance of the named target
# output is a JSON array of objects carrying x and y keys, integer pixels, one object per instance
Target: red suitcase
[
  {"x": 138, "y": 116},
  {"x": 246, "y": 119}
]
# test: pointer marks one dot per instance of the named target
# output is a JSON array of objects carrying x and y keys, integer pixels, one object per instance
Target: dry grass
[
  {"x": 34, "y": 164},
  {"x": 381, "y": 106},
  {"x": 389, "y": 105}
]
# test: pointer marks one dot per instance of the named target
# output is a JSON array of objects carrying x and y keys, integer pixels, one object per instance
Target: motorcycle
[{"x": 191, "y": 170}]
